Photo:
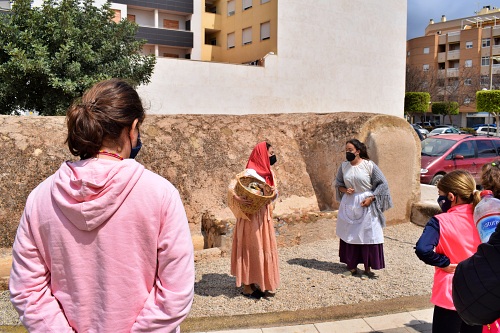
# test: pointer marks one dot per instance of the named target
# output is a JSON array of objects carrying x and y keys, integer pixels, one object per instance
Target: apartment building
[
  {"x": 457, "y": 58},
  {"x": 231, "y": 31},
  {"x": 239, "y": 31},
  {"x": 165, "y": 25}
]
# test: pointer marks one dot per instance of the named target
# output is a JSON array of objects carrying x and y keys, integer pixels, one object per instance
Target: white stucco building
[{"x": 332, "y": 56}]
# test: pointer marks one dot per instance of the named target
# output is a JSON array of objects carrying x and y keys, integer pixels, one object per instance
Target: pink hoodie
[{"x": 103, "y": 246}]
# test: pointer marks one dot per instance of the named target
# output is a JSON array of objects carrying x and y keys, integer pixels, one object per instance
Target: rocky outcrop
[{"x": 199, "y": 154}]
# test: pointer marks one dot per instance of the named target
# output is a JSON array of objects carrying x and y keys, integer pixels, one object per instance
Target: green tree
[
  {"x": 51, "y": 54},
  {"x": 489, "y": 101},
  {"x": 445, "y": 108},
  {"x": 416, "y": 102}
]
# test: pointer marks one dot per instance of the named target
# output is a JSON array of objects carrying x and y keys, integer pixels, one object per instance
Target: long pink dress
[{"x": 254, "y": 255}]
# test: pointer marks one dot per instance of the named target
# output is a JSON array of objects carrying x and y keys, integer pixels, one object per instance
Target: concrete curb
[{"x": 331, "y": 313}]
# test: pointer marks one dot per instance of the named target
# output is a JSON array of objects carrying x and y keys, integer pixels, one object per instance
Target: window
[
  {"x": 170, "y": 55},
  {"x": 264, "y": 1},
  {"x": 466, "y": 149},
  {"x": 118, "y": 16},
  {"x": 247, "y": 36},
  {"x": 468, "y": 45},
  {"x": 230, "y": 40},
  {"x": 408, "y": 54},
  {"x": 171, "y": 24},
  {"x": 468, "y": 63},
  {"x": 497, "y": 144},
  {"x": 426, "y": 67},
  {"x": 485, "y": 80},
  {"x": 466, "y": 100},
  {"x": 468, "y": 82},
  {"x": 485, "y": 61},
  {"x": 486, "y": 42},
  {"x": 485, "y": 148},
  {"x": 426, "y": 50},
  {"x": 230, "y": 8},
  {"x": 247, "y": 4},
  {"x": 265, "y": 30}
]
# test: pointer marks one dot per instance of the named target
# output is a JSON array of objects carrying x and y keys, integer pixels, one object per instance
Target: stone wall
[{"x": 199, "y": 154}]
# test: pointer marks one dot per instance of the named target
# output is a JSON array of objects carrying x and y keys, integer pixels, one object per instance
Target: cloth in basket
[{"x": 258, "y": 201}]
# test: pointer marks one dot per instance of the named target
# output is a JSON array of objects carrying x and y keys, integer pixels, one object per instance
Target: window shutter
[
  {"x": 247, "y": 36},
  {"x": 265, "y": 30}
]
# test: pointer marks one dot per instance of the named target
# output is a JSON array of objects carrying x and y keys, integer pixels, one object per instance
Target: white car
[
  {"x": 444, "y": 130},
  {"x": 487, "y": 130}
]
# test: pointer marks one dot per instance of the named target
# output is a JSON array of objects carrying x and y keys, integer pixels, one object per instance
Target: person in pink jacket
[
  {"x": 447, "y": 239},
  {"x": 103, "y": 244}
]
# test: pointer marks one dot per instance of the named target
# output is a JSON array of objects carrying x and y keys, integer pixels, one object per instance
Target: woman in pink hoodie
[{"x": 103, "y": 245}]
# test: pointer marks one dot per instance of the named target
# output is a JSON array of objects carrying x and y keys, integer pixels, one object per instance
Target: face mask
[
  {"x": 135, "y": 150},
  {"x": 350, "y": 156},
  {"x": 444, "y": 203},
  {"x": 272, "y": 159}
]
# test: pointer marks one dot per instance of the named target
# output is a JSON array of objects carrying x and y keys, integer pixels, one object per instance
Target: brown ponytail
[{"x": 101, "y": 114}]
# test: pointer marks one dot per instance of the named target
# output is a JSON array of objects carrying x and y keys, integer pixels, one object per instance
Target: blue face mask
[
  {"x": 135, "y": 150},
  {"x": 444, "y": 203}
]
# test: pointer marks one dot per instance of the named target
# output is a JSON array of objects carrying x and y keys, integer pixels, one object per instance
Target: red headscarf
[{"x": 259, "y": 161}]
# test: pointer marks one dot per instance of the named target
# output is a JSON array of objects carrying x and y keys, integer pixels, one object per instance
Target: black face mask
[
  {"x": 444, "y": 203},
  {"x": 135, "y": 150},
  {"x": 350, "y": 156},
  {"x": 272, "y": 159}
]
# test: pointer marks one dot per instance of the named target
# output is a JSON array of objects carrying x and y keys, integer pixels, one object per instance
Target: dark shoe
[
  {"x": 254, "y": 295},
  {"x": 350, "y": 273},
  {"x": 368, "y": 275},
  {"x": 260, "y": 293}
]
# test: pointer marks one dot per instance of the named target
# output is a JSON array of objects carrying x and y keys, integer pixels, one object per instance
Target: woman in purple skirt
[{"x": 364, "y": 195}]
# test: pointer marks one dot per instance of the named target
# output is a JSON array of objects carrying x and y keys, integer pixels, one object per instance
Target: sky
[{"x": 421, "y": 11}]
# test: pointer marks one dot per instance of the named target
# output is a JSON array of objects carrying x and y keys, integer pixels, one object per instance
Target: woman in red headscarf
[{"x": 254, "y": 255}]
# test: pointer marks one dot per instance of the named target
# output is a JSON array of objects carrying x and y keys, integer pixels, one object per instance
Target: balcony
[
  {"x": 495, "y": 31},
  {"x": 454, "y": 55},
  {"x": 495, "y": 69},
  {"x": 177, "y": 38},
  {"x": 180, "y": 6},
  {"x": 452, "y": 72},
  {"x": 441, "y": 56},
  {"x": 210, "y": 52},
  {"x": 212, "y": 21},
  {"x": 496, "y": 50},
  {"x": 454, "y": 37}
]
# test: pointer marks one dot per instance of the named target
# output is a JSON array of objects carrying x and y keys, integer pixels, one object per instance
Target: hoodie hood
[{"x": 89, "y": 192}]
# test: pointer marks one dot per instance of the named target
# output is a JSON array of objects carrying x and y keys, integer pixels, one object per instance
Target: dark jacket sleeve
[
  {"x": 428, "y": 242},
  {"x": 476, "y": 284}
]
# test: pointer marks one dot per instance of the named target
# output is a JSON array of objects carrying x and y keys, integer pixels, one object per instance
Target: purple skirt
[{"x": 370, "y": 255}]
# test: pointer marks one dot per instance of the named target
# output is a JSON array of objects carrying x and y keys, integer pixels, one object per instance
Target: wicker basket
[{"x": 257, "y": 200}]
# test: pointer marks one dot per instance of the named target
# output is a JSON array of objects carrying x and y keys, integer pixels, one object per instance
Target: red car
[{"x": 447, "y": 152}]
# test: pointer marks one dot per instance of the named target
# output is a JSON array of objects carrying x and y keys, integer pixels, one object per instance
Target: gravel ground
[{"x": 310, "y": 278}]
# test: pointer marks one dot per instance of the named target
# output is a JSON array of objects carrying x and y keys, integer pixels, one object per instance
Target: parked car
[
  {"x": 444, "y": 130},
  {"x": 427, "y": 124},
  {"x": 421, "y": 130},
  {"x": 444, "y": 153},
  {"x": 487, "y": 130},
  {"x": 440, "y": 126},
  {"x": 475, "y": 127}
]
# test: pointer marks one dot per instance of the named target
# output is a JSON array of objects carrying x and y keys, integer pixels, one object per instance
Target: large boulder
[{"x": 199, "y": 154}]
